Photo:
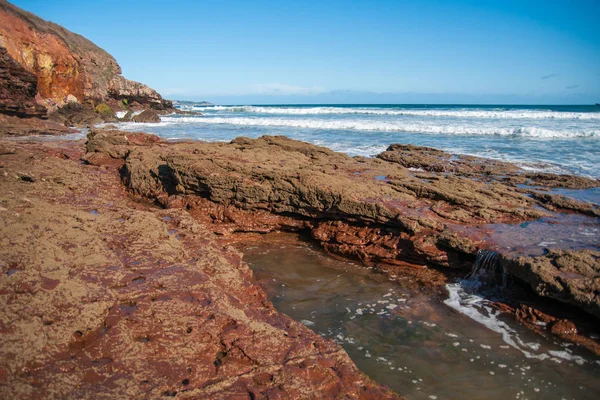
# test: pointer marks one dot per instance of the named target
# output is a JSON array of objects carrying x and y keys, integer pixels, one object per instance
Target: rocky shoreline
[
  {"x": 89, "y": 260},
  {"x": 103, "y": 268},
  {"x": 117, "y": 278},
  {"x": 378, "y": 211}
]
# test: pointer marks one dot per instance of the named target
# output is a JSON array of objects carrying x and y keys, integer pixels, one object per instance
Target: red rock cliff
[
  {"x": 66, "y": 63},
  {"x": 18, "y": 88}
]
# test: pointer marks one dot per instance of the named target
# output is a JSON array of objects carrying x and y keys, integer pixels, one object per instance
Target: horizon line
[{"x": 394, "y": 104}]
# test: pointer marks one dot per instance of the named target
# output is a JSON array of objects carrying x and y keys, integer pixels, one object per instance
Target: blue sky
[{"x": 347, "y": 51}]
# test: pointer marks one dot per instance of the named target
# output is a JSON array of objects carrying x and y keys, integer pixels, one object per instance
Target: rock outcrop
[
  {"x": 20, "y": 114},
  {"x": 366, "y": 208},
  {"x": 101, "y": 297},
  {"x": 568, "y": 276},
  {"x": 18, "y": 88},
  {"x": 66, "y": 64},
  {"x": 427, "y": 159},
  {"x": 16, "y": 126},
  {"x": 374, "y": 210},
  {"x": 146, "y": 116},
  {"x": 106, "y": 297}
]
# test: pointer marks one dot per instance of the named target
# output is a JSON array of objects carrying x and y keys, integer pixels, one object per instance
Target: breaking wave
[
  {"x": 454, "y": 113},
  {"x": 391, "y": 126}
]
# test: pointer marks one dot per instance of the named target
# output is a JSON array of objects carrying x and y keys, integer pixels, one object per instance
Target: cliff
[
  {"x": 66, "y": 64},
  {"x": 18, "y": 88}
]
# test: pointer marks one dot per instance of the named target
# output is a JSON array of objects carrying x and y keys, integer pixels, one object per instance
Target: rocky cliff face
[
  {"x": 18, "y": 88},
  {"x": 67, "y": 64}
]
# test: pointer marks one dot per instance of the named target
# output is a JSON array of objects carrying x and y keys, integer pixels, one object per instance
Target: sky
[{"x": 268, "y": 52}]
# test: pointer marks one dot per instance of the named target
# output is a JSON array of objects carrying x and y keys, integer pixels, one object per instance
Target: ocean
[{"x": 558, "y": 139}]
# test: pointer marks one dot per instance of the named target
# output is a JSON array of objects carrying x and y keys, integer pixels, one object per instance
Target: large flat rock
[{"x": 101, "y": 297}]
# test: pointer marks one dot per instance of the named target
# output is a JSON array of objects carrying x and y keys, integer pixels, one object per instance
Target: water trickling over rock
[{"x": 487, "y": 272}]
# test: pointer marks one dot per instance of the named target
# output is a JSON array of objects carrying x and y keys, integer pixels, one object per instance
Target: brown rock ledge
[
  {"x": 567, "y": 276},
  {"x": 101, "y": 297}
]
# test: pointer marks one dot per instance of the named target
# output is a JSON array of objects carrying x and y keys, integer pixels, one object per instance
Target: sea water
[{"x": 559, "y": 139}]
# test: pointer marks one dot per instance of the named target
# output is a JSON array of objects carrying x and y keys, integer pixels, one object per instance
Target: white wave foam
[
  {"x": 389, "y": 126},
  {"x": 455, "y": 113},
  {"x": 352, "y": 150},
  {"x": 471, "y": 304}
]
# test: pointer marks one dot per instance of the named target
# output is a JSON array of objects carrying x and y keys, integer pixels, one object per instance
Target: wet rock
[
  {"x": 428, "y": 159},
  {"x": 83, "y": 115},
  {"x": 542, "y": 323},
  {"x": 147, "y": 116},
  {"x": 186, "y": 112},
  {"x": 77, "y": 115},
  {"x": 529, "y": 315},
  {"x": 563, "y": 327},
  {"x": 434, "y": 160},
  {"x": 554, "y": 201},
  {"x": 558, "y": 181},
  {"x": 127, "y": 117},
  {"x": 290, "y": 178},
  {"x": 419, "y": 217}
]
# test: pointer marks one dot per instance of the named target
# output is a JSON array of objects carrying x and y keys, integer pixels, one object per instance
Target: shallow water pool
[{"x": 421, "y": 346}]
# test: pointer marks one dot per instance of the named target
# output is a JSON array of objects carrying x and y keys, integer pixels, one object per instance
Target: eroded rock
[
  {"x": 568, "y": 276},
  {"x": 427, "y": 159}
]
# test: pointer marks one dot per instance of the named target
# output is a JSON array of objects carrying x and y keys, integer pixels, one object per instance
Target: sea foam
[{"x": 478, "y": 309}]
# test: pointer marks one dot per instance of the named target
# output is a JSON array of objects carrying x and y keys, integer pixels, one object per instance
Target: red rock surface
[
  {"x": 101, "y": 297},
  {"x": 17, "y": 126},
  {"x": 563, "y": 328}
]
